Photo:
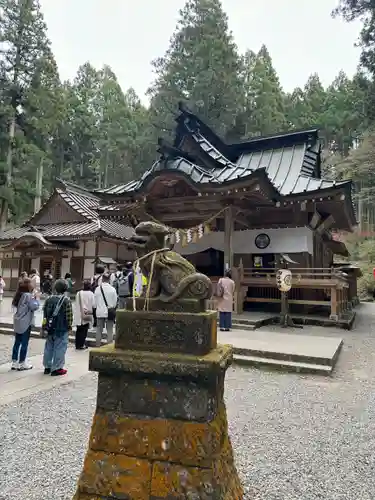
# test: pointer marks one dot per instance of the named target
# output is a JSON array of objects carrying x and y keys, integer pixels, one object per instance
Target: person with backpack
[
  {"x": 106, "y": 304},
  {"x": 124, "y": 285},
  {"x": 115, "y": 275},
  {"x": 57, "y": 324}
]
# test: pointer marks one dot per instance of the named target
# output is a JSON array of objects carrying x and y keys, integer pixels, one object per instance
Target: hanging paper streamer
[{"x": 190, "y": 235}]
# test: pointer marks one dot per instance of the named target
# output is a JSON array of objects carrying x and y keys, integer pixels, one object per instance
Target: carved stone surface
[
  {"x": 184, "y": 305},
  {"x": 167, "y": 332},
  {"x": 171, "y": 276}
]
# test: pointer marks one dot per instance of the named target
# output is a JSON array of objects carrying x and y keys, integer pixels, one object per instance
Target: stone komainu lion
[{"x": 173, "y": 277}]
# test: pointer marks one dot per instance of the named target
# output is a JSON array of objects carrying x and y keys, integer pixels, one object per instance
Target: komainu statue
[{"x": 171, "y": 276}]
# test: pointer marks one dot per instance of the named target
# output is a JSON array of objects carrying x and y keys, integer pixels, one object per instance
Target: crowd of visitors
[{"x": 95, "y": 304}]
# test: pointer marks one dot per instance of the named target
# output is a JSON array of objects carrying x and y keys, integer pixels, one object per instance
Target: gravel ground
[
  {"x": 295, "y": 437},
  {"x": 36, "y": 347}
]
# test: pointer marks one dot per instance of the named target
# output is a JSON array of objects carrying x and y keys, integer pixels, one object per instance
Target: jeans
[
  {"x": 81, "y": 334},
  {"x": 54, "y": 351},
  {"x": 101, "y": 322},
  {"x": 21, "y": 343},
  {"x": 225, "y": 320}
]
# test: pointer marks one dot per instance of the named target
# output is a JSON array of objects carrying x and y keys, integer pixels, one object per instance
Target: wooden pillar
[
  {"x": 334, "y": 304},
  {"x": 228, "y": 238}
]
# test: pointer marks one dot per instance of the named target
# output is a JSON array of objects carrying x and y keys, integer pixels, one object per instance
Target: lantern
[{"x": 284, "y": 280}]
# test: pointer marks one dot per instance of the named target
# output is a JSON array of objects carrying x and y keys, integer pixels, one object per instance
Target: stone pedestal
[{"x": 160, "y": 428}]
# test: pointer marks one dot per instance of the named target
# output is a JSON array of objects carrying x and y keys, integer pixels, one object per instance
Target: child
[
  {"x": 57, "y": 324},
  {"x": 2, "y": 287},
  {"x": 26, "y": 304}
]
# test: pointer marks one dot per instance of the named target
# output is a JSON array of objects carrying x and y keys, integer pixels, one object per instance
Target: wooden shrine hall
[
  {"x": 243, "y": 206},
  {"x": 265, "y": 200}
]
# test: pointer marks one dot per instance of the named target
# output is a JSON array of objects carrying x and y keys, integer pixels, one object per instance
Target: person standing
[
  {"x": 116, "y": 275},
  {"x": 26, "y": 303},
  {"x": 84, "y": 306},
  {"x": 2, "y": 288},
  {"x": 23, "y": 276},
  {"x": 57, "y": 324},
  {"x": 225, "y": 293},
  {"x": 47, "y": 283},
  {"x": 124, "y": 285},
  {"x": 35, "y": 280},
  {"x": 70, "y": 282},
  {"x": 106, "y": 303},
  {"x": 96, "y": 280}
]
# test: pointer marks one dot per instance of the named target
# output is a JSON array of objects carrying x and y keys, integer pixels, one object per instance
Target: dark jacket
[{"x": 64, "y": 318}]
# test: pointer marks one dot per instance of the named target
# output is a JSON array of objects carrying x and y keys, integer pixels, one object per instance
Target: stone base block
[
  {"x": 114, "y": 361},
  {"x": 139, "y": 459},
  {"x": 190, "y": 333}
]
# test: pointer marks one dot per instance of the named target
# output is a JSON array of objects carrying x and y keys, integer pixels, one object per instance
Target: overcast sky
[{"x": 127, "y": 34}]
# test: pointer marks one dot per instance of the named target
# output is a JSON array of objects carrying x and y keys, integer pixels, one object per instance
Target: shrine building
[{"x": 245, "y": 206}]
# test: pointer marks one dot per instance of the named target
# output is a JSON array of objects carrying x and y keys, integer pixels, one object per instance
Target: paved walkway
[{"x": 16, "y": 385}]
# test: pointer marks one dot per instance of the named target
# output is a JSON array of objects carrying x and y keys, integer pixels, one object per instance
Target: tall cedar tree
[
  {"x": 201, "y": 67},
  {"x": 23, "y": 43},
  {"x": 364, "y": 10},
  {"x": 264, "y": 110}
]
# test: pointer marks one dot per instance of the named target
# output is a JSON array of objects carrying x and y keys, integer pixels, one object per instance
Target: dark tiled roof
[
  {"x": 83, "y": 203},
  {"x": 291, "y": 160},
  {"x": 12, "y": 234},
  {"x": 73, "y": 229},
  {"x": 197, "y": 174},
  {"x": 283, "y": 167},
  {"x": 115, "y": 229}
]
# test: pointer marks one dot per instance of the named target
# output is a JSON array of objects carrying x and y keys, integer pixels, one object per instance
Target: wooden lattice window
[{"x": 10, "y": 264}]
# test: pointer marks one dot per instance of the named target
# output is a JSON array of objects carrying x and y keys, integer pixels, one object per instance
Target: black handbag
[{"x": 111, "y": 310}]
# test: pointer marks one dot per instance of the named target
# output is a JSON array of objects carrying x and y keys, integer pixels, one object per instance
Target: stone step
[
  {"x": 280, "y": 355},
  {"x": 278, "y": 364},
  {"x": 287, "y": 350}
]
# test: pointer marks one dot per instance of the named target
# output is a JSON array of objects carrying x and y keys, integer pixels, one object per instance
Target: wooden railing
[{"x": 311, "y": 287}]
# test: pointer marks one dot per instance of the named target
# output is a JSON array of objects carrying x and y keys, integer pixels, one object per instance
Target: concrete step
[
  {"x": 277, "y": 364},
  {"x": 270, "y": 353},
  {"x": 287, "y": 351}
]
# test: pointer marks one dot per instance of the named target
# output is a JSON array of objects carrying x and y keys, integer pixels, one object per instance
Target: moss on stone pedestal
[{"x": 160, "y": 429}]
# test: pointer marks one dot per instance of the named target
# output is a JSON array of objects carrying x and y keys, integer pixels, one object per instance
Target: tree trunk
[
  {"x": 39, "y": 188},
  {"x": 4, "y": 203}
]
